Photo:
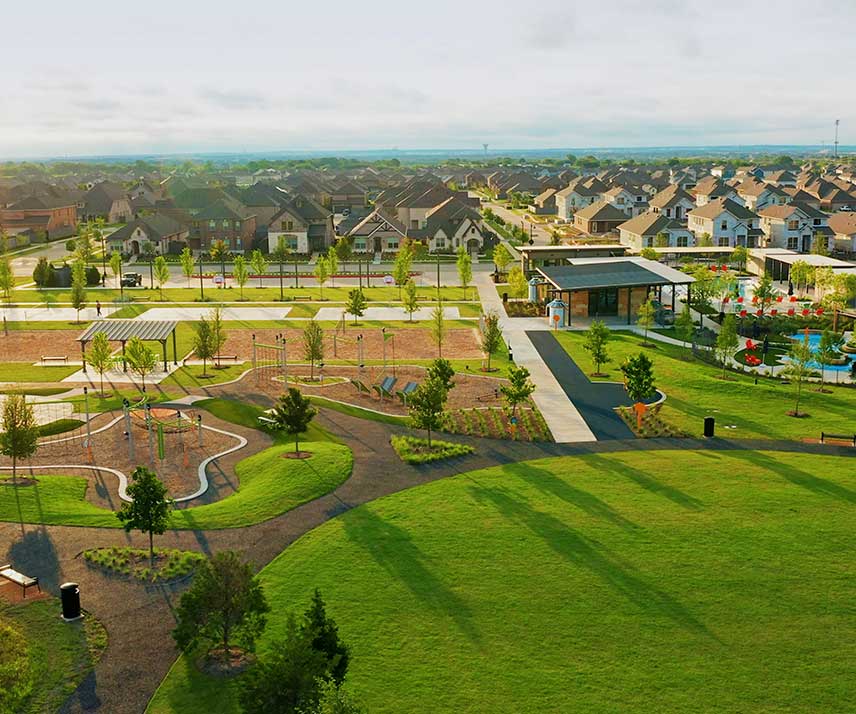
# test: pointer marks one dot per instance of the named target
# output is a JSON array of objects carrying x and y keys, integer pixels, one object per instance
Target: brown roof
[
  {"x": 843, "y": 223},
  {"x": 601, "y": 211}
]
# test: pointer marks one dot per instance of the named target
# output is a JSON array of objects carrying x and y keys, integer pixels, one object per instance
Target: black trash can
[
  {"x": 504, "y": 297},
  {"x": 708, "y": 427},
  {"x": 69, "y": 594}
]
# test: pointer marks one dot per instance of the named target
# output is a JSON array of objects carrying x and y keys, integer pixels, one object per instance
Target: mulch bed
[{"x": 32, "y": 345}]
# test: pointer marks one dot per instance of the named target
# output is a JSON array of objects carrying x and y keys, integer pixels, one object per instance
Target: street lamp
[
  {"x": 201, "y": 286},
  {"x": 103, "y": 259}
]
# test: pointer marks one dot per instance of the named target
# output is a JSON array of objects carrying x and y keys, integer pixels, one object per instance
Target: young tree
[
  {"x": 426, "y": 405},
  {"x": 258, "y": 263},
  {"x": 828, "y": 350},
  {"x": 685, "y": 325},
  {"x": 20, "y": 436},
  {"x": 705, "y": 241},
  {"x": 325, "y": 638},
  {"x": 638, "y": 377},
  {"x": 141, "y": 359},
  {"x": 411, "y": 300},
  {"x": 518, "y": 286},
  {"x": 501, "y": 258},
  {"x": 518, "y": 389},
  {"x": 292, "y": 414},
  {"x": 344, "y": 248},
  {"x": 595, "y": 342},
  {"x": 219, "y": 252},
  {"x": 161, "y": 273},
  {"x": 649, "y": 253},
  {"x": 402, "y": 266},
  {"x": 438, "y": 326},
  {"x": 442, "y": 370},
  {"x": 240, "y": 274},
  {"x": 322, "y": 272},
  {"x": 333, "y": 699},
  {"x": 188, "y": 265},
  {"x": 819, "y": 244},
  {"x": 464, "y": 264},
  {"x": 727, "y": 341},
  {"x": 797, "y": 368},
  {"x": 78, "y": 286},
  {"x": 203, "y": 343},
  {"x": 332, "y": 264},
  {"x": 100, "y": 356},
  {"x": 83, "y": 245},
  {"x": 662, "y": 240},
  {"x": 356, "y": 304},
  {"x": 149, "y": 508},
  {"x": 801, "y": 274},
  {"x": 218, "y": 331},
  {"x": 7, "y": 277},
  {"x": 313, "y": 345},
  {"x": 224, "y": 604},
  {"x": 147, "y": 253},
  {"x": 280, "y": 255},
  {"x": 739, "y": 256},
  {"x": 116, "y": 267},
  {"x": 43, "y": 273},
  {"x": 765, "y": 292},
  {"x": 703, "y": 289},
  {"x": 491, "y": 336},
  {"x": 645, "y": 318}
]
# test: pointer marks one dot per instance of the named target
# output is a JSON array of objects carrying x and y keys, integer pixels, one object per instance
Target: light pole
[
  {"x": 103, "y": 260},
  {"x": 201, "y": 286}
]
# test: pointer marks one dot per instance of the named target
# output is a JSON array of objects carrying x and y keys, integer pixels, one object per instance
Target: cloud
[{"x": 231, "y": 99}]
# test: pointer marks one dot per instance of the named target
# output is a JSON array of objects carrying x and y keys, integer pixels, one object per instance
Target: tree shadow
[
  {"x": 585, "y": 553},
  {"x": 803, "y": 479},
  {"x": 392, "y": 548},
  {"x": 34, "y": 554},
  {"x": 645, "y": 481},
  {"x": 85, "y": 697}
]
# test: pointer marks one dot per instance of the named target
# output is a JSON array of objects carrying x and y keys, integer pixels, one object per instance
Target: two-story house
[
  {"x": 108, "y": 201},
  {"x": 652, "y": 229},
  {"x": 843, "y": 227},
  {"x": 598, "y": 218},
  {"x": 673, "y": 202},
  {"x": 792, "y": 226},
  {"x": 725, "y": 223},
  {"x": 304, "y": 224},
  {"x": 757, "y": 194}
]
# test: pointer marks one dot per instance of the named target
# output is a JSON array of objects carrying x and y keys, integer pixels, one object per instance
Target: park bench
[
  {"x": 220, "y": 358},
  {"x": 301, "y": 298},
  {"x": 409, "y": 388},
  {"x": 361, "y": 387},
  {"x": 141, "y": 298},
  {"x": 13, "y": 576},
  {"x": 824, "y": 437},
  {"x": 384, "y": 389},
  {"x": 55, "y": 358}
]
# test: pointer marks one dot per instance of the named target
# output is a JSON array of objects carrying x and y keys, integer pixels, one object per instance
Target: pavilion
[{"x": 123, "y": 330}]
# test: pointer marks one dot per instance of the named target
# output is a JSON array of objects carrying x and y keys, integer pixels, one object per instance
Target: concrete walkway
[{"x": 564, "y": 419}]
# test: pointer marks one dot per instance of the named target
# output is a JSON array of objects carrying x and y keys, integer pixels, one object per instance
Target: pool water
[{"x": 814, "y": 343}]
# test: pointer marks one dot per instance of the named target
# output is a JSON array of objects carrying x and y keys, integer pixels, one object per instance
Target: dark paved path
[
  {"x": 139, "y": 618},
  {"x": 596, "y": 401}
]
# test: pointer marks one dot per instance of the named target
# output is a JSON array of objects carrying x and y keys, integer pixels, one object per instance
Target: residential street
[{"x": 539, "y": 234}]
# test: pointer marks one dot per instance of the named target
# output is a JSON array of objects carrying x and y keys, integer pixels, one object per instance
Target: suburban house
[
  {"x": 725, "y": 222},
  {"x": 576, "y": 196},
  {"x": 792, "y": 226},
  {"x": 166, "y": 235},
  {"x": 672, "y": 202},
  {"x": 53, "y": 217},
  {"x": 630, "y": 202},
  {"x": 107, "y": 201},
  {"x": 757, "y": 194},
  {"x": 597, "y": 218},
  {"x": 710, "y": 188},
  {"x": 843, "y": 227},
  {"x": 223, "y": 220},
  {"x": 781, "y": 178},
  {"x": 651, "y": 229},
  {"x": 348, "y": 195},
  {"x": 305, "y": 225},
  {"x": 544, "y": 203},
  {"x": 377, "y": 233}
]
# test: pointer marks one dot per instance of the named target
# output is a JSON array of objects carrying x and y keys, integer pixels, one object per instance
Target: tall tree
[
  {"x": 727, "y": 341},
  {"x": 43, "y": 273},
  {"x": 801, "y": 274},
  {"x": 20, "y": 436},
  {"x": 595, "y": 343},
  {"x": 464, "y": 264},
  {"x": 438, "y": 326},
  {"x": 161, "y": 273},
  {"x": 703, "y": 289},
  {"x": 188, "y": 265},
  {"x": 258, "y": 262},
  {"x": 100, "y": 356},
  {"x": 149, "y": 508},
  {"x": 356, "y": 304},
  {"x": 292, "y": 414},
  {"x": 426, "y": 405},
  {"x": 518, "y": 389},
  {"x": 313, "y": 345},
  {"x": 322, "y": 273},
  {"x": 147, "y": 253},
  {"x": 491, "y": 335},
  {"x": 141, "y": 359},
  {"x": 7, "y": 277},
  {"x": 225, "y": 604},
  {"x": 78, "y": 286},
  {"x": 240, "y": 274}
]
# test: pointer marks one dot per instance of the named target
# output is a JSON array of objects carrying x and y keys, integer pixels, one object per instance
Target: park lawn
[
  {"x": 269, "y": 486},
  {"x": 695, "y": 390},
  {"x": 58, "y": 655},
  {"x": 28, "y": 372},
  {"x": 657, "y": 581}
]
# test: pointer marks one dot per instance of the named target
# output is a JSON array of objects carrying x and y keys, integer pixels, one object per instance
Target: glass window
[
  {"x": 682, "y": 241},
  {"x": 793, "y": 225},
  {"x": 723, "y": 242},
  {"x": 392, "y": 243},
  {"x": 792, "y": 242}
]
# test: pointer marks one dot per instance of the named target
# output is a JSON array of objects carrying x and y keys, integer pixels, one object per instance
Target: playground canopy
[{"x": 123, "y": 330}]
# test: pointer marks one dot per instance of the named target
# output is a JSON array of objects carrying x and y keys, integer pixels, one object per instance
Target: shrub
[{"x": 416, "y": 451}]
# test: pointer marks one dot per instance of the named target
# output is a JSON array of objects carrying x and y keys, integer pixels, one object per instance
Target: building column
[{"x": 629, "y": 306}]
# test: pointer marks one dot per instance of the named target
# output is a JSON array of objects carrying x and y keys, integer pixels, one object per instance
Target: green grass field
[
  {"x": 695, "y": 390},
  {"x": 664, "y": 582}
]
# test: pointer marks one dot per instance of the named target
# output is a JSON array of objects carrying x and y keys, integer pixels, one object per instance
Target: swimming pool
[{"x": 814, "y": 344}]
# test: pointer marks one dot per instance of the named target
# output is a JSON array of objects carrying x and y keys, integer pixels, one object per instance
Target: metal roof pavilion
[{"x": 124, "y": 330}]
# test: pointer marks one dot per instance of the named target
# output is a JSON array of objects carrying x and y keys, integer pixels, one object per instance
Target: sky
[{"x": 100, "y": 77}]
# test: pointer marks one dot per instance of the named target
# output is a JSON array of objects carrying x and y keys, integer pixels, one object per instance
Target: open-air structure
[{"x": 123, "y": 330}]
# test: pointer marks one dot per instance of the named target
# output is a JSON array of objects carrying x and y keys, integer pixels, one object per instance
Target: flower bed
[
  {"x": 495, "y": 423},
  {"x": 416, "y": 451},
  {"x": 653, "y": 425},
  {"x": 169, "y": 564}
]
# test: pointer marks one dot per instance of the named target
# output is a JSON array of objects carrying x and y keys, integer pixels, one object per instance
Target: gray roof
[
  {"x": 124, "y": 330},
  {"x": 612, "y": 274}
]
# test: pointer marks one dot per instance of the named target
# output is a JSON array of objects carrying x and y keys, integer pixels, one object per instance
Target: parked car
[{"x": 132, "y": 280}]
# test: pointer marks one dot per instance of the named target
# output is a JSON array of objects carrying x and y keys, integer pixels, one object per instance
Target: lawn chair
[
  {"x": 384, "y": 389},
  {"x": 409, "y": 388},
  {"x": 361, "y": 387}
]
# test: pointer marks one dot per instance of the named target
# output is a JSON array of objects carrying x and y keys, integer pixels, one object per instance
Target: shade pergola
[{"x": 123, "y": 330}]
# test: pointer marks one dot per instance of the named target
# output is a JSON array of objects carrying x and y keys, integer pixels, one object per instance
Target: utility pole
[{"x": 835, "y": 151}]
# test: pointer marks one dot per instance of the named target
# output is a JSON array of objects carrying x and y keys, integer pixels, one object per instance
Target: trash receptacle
[
  {"x": 708, "y": 427},
  {"x": 504, "y": 297},
  {"x": 69, "y": 595}
]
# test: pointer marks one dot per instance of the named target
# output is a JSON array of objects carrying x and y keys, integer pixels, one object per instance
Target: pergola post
[
  {"x": 83, "y": 354},
  {"x": 174, "y": 350},
  {"x": 124, "y": 362},
  {"x": 165, "y": 364},
  {"x": 629, "y": 308}
]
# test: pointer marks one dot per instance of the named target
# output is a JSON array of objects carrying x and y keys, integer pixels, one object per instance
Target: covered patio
[{"x": 123, "y": 330}]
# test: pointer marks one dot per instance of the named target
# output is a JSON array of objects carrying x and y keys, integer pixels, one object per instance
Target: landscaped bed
[
  {"x": 418, "y": 451},
  {"x": 646, "y": 581},
  {"x": 169, "y": 563}
]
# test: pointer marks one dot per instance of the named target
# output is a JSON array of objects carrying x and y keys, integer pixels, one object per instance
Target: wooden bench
[
  {"x": 824, "y": 437},
  {"x": 13, "y": 576},
  {"x": 56, "y": 358},
  {"x": 301, "y": 298},
  {"x": 220, "y": 358},
  {"x": 147, "y": 298}
]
